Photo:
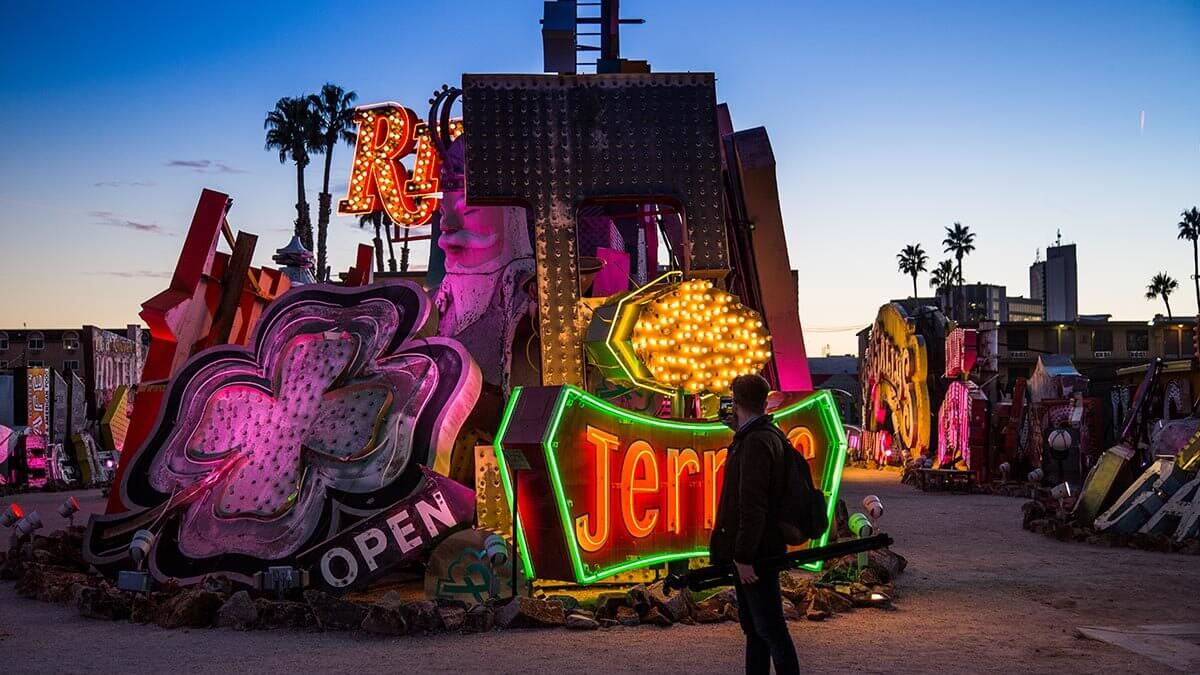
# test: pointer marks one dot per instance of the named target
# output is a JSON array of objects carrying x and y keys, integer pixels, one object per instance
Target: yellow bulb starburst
[{"x": 684, "y": 340}]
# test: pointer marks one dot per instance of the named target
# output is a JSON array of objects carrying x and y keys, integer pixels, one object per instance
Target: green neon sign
[{"x": 547, "y": 423}]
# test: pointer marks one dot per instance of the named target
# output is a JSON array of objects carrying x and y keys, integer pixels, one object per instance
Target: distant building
[
  {"x": 983, "y": 302},
  {"x": 1055, "y": 281},
  {"x": 1096, "y": 345},
  {"x": 1024, "y": 309},
  {"x": 839, "y": 373},
  {"x": 103, "y": 358}
]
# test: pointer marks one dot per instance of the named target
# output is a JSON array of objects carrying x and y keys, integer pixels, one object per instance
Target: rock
[
  {"x": 794, "y": 584},
  {"x": 523, "y": 612},
  {"x": 195, "y": 608},
  {"x": 815, "y": 614},
  {"x": 334, "y": 613},
  {"x": 580, "y": 621},
  {"x": 1033, "y": 511},
  {"x": 217, "y": 583},
  {"x": 384, "y": 619},
  {"x": 30, "y": 582},
  {"x": 607, "y": 604},
  {"x": 422, "y": 616},
  {"x": 627, "y": 616},
  {"x": 675, "y": 606},
  {"x": 730, "y": 612},
  {"x": 607, "y": 623},
  {"x": 639, "y": 599},
  {"x": 479, "y": 619},
  {"x": 707, "y": 615},
  {"x": 568, "y": 602},
  {"x": 103, "y": 602},
  {"x": 238, "y": 612},
  {"x": 827, "y": 600},
  {"x": 841, "y": 520},
  {"x": 655, "y": 617},
  {"x": 789, "y": 610},
  {"x": 283, "y": 614},
  {"x": 886, "y": 564},
  {"x": 391, "y": 599},
  {"x": 146, "y": 608},
  {"x": 1063, "y": 532},
  {"x": 452, "y": 617},
  {"x": 724, "y": 597}
]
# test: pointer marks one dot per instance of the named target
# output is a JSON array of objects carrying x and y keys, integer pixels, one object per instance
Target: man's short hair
[{"x": 750, "y": 392}]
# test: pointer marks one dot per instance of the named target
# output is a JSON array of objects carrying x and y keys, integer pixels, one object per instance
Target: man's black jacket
[{"x": 746, "y": 529}]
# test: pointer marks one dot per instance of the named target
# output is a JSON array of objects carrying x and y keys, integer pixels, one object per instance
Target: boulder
[
  {"x": 334, "y": 613},
  {"x": 569, "y": 603},
  {"x": 707, "y": 615},
  {"x": 827, "y": 600},
  {"x": 627, "y": 616},
  {"x": 422, "y": 616},
  {"x": 523, "y": 612},
  {"x": 813, "y": 613},
  {"x": 146, "y": 607},
  {"x": 794, "y": 584},
  {"x": 790, "y": 612},
  {"x": 384, "y": 619},
  {"x": 675, "y": 606},
  {"x": 581, "y": 621},
  {"x": 607, "y": 604},
  {"x": 103, "y": 602},
  {"x": 655, "y": 617},
  {"x": 195, "y": 608},
  {"x": 283, "y": 614},
  {"x": 730, "y": 612},
  {"x": 639, "y": 599},
  {"x": 452, "y": 617},
  {"x": 217, "y": 583},
  {"x": 479, "y": 619},
  {"x": 238, "y": 612}
]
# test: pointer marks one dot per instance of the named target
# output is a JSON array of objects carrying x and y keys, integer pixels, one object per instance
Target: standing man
[{"x": 747, "y": 528}]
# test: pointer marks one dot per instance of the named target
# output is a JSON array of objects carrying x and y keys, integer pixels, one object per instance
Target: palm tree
[
  {"x": 1161, "y": 286},
  {"x": 960, "y": 241},
  {"x": 943, "y": 276},
  {"x": 334, "y": 109},
  {"x": 912, "y": 261},
  {"x": 1189, "y": 228},
  {"x": 291, "y": 129}
]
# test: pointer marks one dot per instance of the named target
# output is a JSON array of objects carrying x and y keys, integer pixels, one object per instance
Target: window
[
  {"x": 71, "y": 341},
  {"x": 1137, "y": 340},
  {"x": 1018, "y": 339},
  {"x": 36, "y": 342},
  {"x": 71, "y": 365},
  {"x": 1102, "y": 340},
  {"x": 3, "y": 364},
  {"x": 3, "y": 342},
  {"x": 37, "y": 364}
]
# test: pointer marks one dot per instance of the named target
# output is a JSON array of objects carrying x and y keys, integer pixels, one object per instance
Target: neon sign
[
  {"x": 611, "y": 490},
  {"x": 895, "y": 379},
  {"x": 387, "y": 133},
  {"x": 674, "y": 335}
]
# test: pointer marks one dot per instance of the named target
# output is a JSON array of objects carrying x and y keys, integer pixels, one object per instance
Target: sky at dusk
[{"x": 889, "y": 122}]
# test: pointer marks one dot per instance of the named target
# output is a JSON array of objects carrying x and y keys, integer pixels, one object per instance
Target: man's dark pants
[{"x": 760, "y": 611}]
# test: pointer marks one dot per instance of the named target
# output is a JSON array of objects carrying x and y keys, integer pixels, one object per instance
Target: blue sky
[{"x": 889, "y": 121}]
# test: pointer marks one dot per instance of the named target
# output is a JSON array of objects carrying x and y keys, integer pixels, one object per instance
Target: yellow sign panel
[
  {"x": 895, "y": 390},
  {"x": 115, "y": 423}
]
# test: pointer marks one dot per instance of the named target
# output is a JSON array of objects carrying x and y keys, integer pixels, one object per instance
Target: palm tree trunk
[
  {"x": 378, "y": 245},
  {"x": 961, "y": 302},
  {"x": 303, "y": 222},
  {"x": 914, "y": 286},
  {"x": 1167, "y": 302},
  {"x": 325, "y": 211},
  {"x": 1196, "y": 271}
]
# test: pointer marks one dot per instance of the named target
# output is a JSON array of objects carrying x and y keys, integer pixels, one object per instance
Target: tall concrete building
[{"x": 1055, "y": 281}]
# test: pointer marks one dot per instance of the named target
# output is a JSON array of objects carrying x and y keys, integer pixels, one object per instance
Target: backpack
[{"x": 799, "y": 505}]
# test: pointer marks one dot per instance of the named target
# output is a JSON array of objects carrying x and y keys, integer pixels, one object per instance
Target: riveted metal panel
[{"x": 550, "y": 142}]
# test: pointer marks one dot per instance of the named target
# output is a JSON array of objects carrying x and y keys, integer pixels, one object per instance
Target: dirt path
[{"x": 980, "y": 595}]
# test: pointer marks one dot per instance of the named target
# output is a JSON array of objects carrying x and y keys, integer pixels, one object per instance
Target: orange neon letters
[
  {"x": 713, "y": 461},
  {"x": 678, "y": 462},
  {"x": 633, "y": 484},
  {"x": 593, "y": 536}
]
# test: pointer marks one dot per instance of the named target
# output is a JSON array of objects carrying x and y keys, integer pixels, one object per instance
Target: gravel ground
[{"x": 980, "y": 595}]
